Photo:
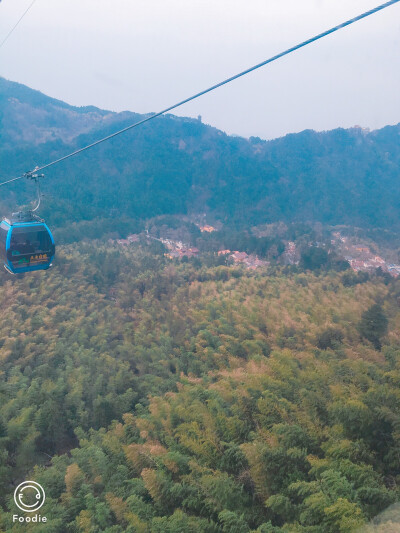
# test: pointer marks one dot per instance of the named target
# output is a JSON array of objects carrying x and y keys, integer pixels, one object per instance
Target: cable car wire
[
  {"x": 15, "y": 25},
  {"x": 212, "y": 88}
]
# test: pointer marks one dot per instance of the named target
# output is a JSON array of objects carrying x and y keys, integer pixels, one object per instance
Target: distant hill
[{"x": 179, "y": 165}]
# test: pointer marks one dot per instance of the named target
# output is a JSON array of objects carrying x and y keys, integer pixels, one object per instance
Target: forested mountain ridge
[
  {"x": 175, "y": 165},
  {"x": 30, "y": 117}
]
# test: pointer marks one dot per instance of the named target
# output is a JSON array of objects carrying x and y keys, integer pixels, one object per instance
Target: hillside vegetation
[
  {"x": 153, "y": 396},
  {"x": 176, "y": 166}
]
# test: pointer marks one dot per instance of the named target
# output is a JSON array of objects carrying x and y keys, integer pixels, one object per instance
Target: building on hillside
[
  {"x": 178, "y": 253},
  {"x": 394, "y": 270},
  {"x": 239, "y": 256},
  {"x": 207, "y": 228},
  {"x": 291, "y": 255},
  {"x": 357, "y": 264}
]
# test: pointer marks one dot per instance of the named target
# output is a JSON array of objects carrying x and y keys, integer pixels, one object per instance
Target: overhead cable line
[
  {"x": 197, "y": 95},
  {"x": 16, "y": 24}
]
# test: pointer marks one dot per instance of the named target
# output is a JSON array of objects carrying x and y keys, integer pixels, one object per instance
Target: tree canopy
[{"x": 150, "y": 395}]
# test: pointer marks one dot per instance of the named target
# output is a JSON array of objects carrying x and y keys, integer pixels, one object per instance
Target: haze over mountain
[{"x": 176, "y": 166}]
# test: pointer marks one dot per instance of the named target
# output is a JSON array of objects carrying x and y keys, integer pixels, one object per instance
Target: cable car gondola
[{"x": 26, "y": 242}]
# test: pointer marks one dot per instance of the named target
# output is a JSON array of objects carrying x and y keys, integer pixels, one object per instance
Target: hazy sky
[{"x": 143, "y": 55}]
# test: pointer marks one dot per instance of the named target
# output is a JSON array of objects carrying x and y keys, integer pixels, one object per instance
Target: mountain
[
  {"x": 159, "y": 395},
  {"x": 179, "y": 165}
]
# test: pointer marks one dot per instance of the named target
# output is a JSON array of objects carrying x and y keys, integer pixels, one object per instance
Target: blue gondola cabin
[{"x": 26, "y": 246}]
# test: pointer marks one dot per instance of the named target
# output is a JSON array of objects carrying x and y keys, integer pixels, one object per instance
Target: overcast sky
[{"x": 143, "y": 55}]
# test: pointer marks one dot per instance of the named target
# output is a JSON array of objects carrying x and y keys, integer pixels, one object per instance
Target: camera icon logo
[{"x": 29, "y": 496}]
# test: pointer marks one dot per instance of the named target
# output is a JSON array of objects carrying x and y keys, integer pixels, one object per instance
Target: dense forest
[
  {"x": 154, "y": 396},
  {"x": 180, "y": 166}
]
